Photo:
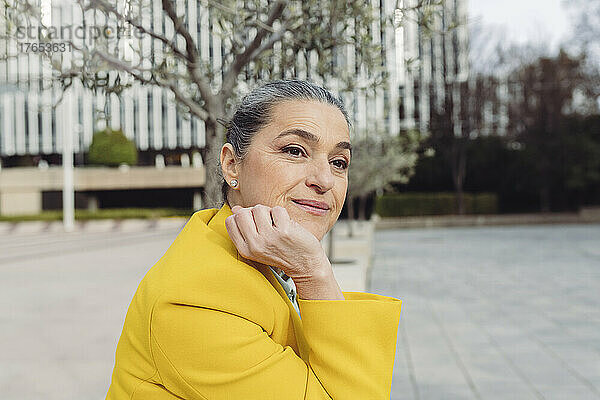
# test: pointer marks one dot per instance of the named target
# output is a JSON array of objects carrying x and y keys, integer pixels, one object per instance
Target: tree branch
[
  {"x": 191, "y": 105},
  {"x": 192, "y": 54},
  {"x": 136, "y": 73},
  {"x": 112, "y": 9},
  {"x": 254, "y": 48}
]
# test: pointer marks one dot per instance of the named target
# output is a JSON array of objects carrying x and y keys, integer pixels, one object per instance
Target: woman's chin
[
  {"x": 311, "y": 226},
  {"x": 309, "y": 222},
  {"x": 318, "y": 232}
]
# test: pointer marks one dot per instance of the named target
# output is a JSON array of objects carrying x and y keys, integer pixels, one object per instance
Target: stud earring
[{"x": 234, "y": 183}]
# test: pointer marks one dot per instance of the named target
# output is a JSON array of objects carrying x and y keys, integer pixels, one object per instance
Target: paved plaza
[
  {"x": 488, "y": 313},
  {"x": 63, "y": 299},
  {"x": 495, "y": 312}
]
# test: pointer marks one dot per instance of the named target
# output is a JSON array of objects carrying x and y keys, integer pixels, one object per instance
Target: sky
[{"x": 524, "y": 20}]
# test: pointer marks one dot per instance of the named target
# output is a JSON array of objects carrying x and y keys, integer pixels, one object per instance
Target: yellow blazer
[{"x": 204, "y": 324}]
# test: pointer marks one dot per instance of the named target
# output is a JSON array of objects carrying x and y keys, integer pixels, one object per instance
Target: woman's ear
[{"x": 229, "y": 163}]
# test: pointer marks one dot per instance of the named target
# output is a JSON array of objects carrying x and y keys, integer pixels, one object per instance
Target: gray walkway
[
  {"x": 63, "y": 299},
  {"x": 494, "y": 313}
]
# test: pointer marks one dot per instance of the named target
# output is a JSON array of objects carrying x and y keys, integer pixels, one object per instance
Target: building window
[
  {"x": 149, "y": 112},
  {"x": 136, "y": 127}
]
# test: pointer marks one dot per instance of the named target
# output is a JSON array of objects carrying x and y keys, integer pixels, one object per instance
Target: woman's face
[{"x": 302, "y": 155}]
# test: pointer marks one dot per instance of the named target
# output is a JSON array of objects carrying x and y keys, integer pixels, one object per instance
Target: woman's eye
[
  {"x": 340, "y": 164},
  {"x": 295, "y": 151}
]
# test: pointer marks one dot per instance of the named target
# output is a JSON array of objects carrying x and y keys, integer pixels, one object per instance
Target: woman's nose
[{"x": 320, "y": 176}]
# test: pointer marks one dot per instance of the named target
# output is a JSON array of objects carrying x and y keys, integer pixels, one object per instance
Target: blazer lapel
[{"x": 301, "y": 342}]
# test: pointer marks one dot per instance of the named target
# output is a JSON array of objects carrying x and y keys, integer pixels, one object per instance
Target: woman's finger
[
  {"x": 262, "y": 219},
  {"x": 281, "y": 218},
  {"x": 246, "y": 225},
  {"x": 236, "y": 236}
]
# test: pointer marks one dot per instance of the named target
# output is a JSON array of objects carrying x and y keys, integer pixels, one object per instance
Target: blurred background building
[{"x": 424, "y": 68}]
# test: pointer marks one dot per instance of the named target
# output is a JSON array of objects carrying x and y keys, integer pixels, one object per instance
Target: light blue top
[{"x": 288, "y": 286}]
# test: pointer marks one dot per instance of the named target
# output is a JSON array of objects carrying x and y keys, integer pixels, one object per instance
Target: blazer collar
[{"x": 215, "y": 220}]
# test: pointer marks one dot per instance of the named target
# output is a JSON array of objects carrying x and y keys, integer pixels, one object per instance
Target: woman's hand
[{"x": 269, "y": 236}]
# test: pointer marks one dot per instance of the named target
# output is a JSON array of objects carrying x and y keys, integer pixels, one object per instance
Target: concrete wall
[{"x": 21, "y": 188}]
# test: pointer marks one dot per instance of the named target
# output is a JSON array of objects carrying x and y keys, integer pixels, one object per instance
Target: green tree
[
  {"x": 260, "y": 40},
  {"x": 378, "y": 161}
]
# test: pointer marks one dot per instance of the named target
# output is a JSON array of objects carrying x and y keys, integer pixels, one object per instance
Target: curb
[
  {"x": 441, "y": 221},
  {"x": 85, "y": 226},
  {"x": 352, "y": 274},
  {"x": 357, "y": 253}
]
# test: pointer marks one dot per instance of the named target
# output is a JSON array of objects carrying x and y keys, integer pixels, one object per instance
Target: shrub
[
  {"x": 484, "y": 203},
  {"x": 112, "y": 148},
  {"x": 415, "y": 204}
]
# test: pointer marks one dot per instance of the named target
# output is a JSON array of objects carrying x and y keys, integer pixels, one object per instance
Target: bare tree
[
  {"x": 551, "y": 91},
  {"x": 586, "y": 28}
]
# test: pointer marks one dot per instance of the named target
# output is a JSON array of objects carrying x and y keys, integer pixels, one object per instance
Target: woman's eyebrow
[{"x": 311, "y": 137}]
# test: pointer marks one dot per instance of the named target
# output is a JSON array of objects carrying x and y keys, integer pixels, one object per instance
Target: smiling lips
[{"x": 312, "y": 206}]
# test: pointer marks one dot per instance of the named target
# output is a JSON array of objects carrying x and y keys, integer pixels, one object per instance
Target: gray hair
[{"x": 254, "y": 112}]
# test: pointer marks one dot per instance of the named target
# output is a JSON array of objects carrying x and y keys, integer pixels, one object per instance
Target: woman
[{"x": 244, "y": 304}]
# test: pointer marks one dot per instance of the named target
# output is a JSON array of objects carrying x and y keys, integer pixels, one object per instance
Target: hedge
[
  {"x": 415, "y": 204},
  {"x": 102, "y": 213},
  {"x": 112, "y": 148}
]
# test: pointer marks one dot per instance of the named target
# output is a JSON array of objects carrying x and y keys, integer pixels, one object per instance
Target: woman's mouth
[{"x": 312, "y": 207}]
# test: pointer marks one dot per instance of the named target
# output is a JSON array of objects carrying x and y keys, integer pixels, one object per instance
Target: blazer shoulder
[{"x": 200, "y": 269}]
